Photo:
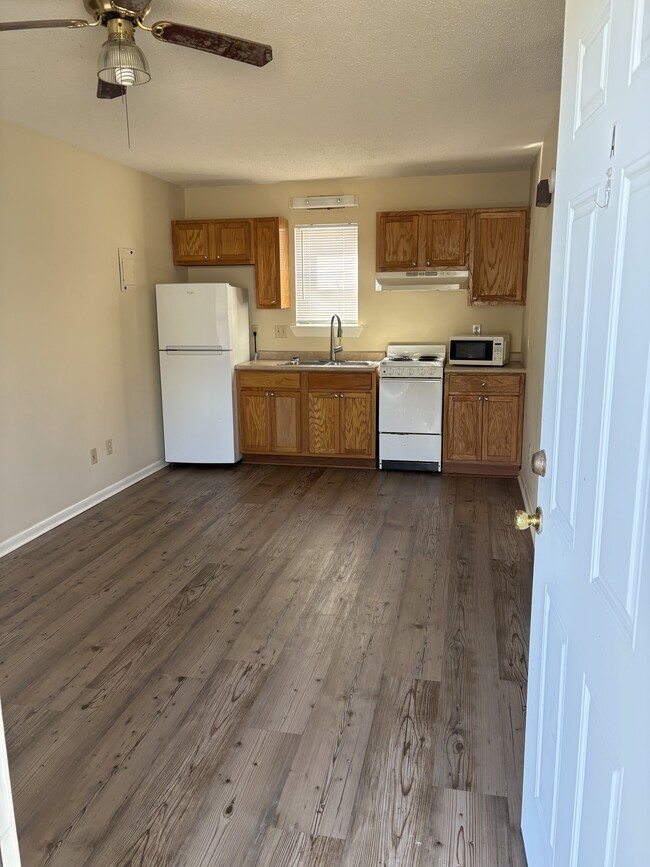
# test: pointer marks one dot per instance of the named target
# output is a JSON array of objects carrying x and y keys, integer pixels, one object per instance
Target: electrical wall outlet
[
  {"x": 476, "y": 329},
  {"x": 109, "y": 447},
  {"x": 93, "y": 456},
  {"x": 280, "y": 330}
]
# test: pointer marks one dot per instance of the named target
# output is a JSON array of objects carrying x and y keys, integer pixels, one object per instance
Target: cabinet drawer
[
  {"x": 491, "y": 383},
  {"x": 340, "y": 381},
  {"x": 265, "y": 379}
]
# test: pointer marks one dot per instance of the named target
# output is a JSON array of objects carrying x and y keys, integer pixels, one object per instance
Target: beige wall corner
[
  {"x": 386, "y": 316},
  {"x": 535, "y": 312},
  {"x": 78, "y": 357}
]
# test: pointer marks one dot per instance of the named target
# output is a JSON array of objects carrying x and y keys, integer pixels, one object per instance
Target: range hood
[{"x": 421, "y": 281}]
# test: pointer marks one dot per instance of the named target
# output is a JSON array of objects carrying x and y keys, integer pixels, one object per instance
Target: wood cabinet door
[
  {"x": 463, "y": 428},
  {"x": 192, "y": 242},
  {"x": 285, "y": 425},
  {"x": 254, "y": 421},
  {"x": 357, "y": 429},
  {"x": 233, "y": 241},
  {"x": 397, "y": 242},
  {"x": 444, "y": 239},
  {"x": 324, "y": 423},
  {"x": 501, "y": 429},
  {"x": 500, "y": 258},
  {"x": 272, "y": 263}
]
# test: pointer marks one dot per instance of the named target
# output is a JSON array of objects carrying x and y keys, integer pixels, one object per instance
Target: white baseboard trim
[
  {"x": 527, "y": 503},
  {"x": 72, "y": 511}
]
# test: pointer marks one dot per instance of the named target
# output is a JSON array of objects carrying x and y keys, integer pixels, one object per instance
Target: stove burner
[
  {"x": 429, "y": 358},
  {"x": 400, "y": 358}
]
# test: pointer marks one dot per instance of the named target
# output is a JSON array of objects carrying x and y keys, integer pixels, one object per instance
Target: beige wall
[
  {"x": 412, "y": 316},
  {"x": 534, "y": 326},
  {"x": 78, "y": 361}
]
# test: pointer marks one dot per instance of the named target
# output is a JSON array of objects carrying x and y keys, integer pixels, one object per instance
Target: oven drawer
[
  {"x": 410, "y": 406},
  {"x": 409, "y": 448}
]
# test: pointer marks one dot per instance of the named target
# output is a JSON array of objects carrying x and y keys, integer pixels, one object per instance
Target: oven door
[{"x": 410, "y": 406}]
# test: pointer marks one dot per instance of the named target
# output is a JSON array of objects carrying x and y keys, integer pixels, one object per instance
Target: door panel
[
  {"x": 233, "y": 241},
  {"x": 285, "y": 437},
  {"x": 500, "y": 429},
  {"x": 193, "y": 314},
  {"x": 356, "y": 424},
  {"x": 254, "y": 421},
  {"x": 192, "y": 242},
  {"x": 463, "y": 429},
  {"x": 324, "y": 423},
  {"x": 445, "y": 240},
  {"x": 410, "y": 406},
  {"x": 397, "y": 242},
  {"x": 593, "y": 557},
  {"x": 198, "y": 407},
  {"x": 621, "y": 499}
]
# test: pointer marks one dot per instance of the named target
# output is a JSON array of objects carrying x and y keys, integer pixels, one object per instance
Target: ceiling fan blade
[
  {"x": 136, "y": 7},
  {"x": 107, "y": 90},
  {"x": 35, "y": 25},
  {"x": 233, "y": 47}
]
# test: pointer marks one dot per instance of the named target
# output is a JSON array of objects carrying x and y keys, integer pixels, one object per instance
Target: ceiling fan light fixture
[{"x": 121, "y": 61}]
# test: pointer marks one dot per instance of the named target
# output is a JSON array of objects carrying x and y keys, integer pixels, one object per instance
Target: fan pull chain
[{"x": 126, "y": 115}]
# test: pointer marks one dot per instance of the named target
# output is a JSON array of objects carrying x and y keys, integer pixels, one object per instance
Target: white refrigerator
[{"x": 203, "y": 333}]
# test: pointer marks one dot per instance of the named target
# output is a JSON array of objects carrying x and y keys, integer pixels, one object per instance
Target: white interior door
[
  {"x": 587, "y": 768},
  {"x": 9, "y": 855}
]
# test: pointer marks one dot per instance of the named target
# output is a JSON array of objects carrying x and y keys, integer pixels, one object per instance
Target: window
[{"x": 327, "y": 273}]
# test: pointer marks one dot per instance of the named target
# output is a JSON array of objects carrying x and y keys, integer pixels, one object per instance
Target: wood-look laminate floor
[{"x": 271, "y": 666}]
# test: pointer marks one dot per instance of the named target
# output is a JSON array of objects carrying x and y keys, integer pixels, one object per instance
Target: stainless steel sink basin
[
  {"x": 351, "y": 363},
  {"x": 348, "y": 363}
]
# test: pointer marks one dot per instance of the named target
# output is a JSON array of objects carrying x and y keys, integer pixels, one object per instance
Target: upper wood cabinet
[
  {"x": 499, "y": 257},
  {"x": 397, "y": 241},
  {"x": 444, "y": 239},
  {"x": 193, "y": 242},
  {"x": 421, "y": 239},
  {"x": 272, "y": 262},
  {"x": 263, "y": 242},
  {"x": 233, "y": 241}
]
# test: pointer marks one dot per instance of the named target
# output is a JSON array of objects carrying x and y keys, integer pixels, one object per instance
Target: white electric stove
[{"x": 410, "y": 407}]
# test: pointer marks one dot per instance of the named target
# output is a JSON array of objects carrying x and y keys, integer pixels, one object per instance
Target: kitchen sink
[{"x": 324, "y": 363}]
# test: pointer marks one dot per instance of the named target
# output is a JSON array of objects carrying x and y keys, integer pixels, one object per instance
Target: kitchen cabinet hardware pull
[{"x": 484, "y": 384}]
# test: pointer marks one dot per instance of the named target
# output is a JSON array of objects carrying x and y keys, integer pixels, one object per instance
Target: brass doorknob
[{"x": 523, "y": 520}]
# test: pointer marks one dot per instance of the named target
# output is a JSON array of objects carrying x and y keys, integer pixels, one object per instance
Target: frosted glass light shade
[{"x": 122, "y": 62}]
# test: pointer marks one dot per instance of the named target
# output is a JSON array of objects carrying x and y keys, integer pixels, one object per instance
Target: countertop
[
  {"x": 275, "y": 364},
  {"x": 511, "y": 367}
]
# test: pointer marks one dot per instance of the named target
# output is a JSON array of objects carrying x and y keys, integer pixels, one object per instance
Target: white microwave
[{"x": 475, "y": 349}]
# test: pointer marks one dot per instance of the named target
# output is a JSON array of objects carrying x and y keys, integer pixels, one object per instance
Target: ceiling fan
[{"x": 121, "y": 63}]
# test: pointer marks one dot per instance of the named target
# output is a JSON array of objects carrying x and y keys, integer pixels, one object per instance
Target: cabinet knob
[
  {"x": 218, "y": 257},
  {"x": 480, "y": 398},
  {"x": 428, "y": 263},
  {"x": 484, "y": 384},
  {"x": 205, "y": 257},
  {"x": 413, "y": 263}
]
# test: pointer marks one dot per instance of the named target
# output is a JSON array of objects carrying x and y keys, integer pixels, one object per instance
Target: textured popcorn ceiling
[{"x": 363, "y": 88}]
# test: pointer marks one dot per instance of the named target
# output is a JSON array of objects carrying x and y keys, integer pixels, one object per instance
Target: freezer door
[
  {"x": 193, "y": 314},
  {"x": 410, "y": 406},
  {"x": 199, "y": 418}
]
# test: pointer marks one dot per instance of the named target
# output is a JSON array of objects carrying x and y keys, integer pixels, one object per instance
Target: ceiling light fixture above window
[{"x": 121, "y": 61}]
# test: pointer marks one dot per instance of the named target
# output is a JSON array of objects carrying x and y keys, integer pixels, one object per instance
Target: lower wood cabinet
[
  {"x": 483, "y": 421},
  {"x": 269, "y": 413},
  {"x": 318, "y": 418}
]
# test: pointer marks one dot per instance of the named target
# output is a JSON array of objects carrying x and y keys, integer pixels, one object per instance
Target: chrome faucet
[{"x": 339, "y": 334}]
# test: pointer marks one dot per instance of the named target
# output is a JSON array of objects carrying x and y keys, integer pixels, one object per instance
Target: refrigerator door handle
[{"x": 195, "y": 350}]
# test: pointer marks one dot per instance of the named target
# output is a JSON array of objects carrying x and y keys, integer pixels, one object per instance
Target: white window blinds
[{"x": 327, "y": 273}]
